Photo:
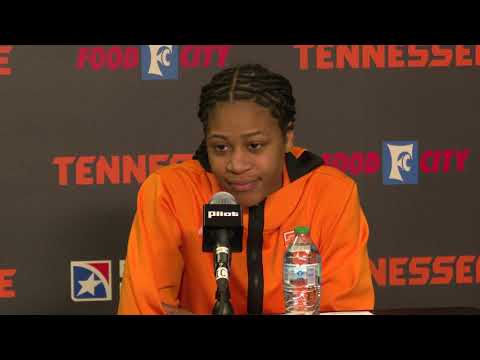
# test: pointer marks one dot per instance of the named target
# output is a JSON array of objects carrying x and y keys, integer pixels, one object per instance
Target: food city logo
[
  {"x": 7, "y": 288},
  {"x": 91, "y": 280},
  {"x": 5, "y": 51},
  {"x": 339, "y": 57},
  {"x": 426, "y": 270},
  {"x": 157, "y": 62},
  {"x": 400, "y": 162}
]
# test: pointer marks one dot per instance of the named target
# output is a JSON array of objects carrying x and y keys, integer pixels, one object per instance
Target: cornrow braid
[
  {"x": 254, "y": 83},
  {"x": 250, "y": 82}
]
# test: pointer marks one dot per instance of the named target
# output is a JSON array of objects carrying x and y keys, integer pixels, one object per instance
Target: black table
[{"x": 429, "y": 311}]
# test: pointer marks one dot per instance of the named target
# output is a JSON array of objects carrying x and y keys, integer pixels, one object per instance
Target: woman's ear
[{"x": 289, "y": 137}]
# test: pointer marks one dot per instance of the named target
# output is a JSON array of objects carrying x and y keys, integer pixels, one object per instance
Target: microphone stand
[
  {"x": 223, "y": 305},
  {"x": 222, "y": 258}
]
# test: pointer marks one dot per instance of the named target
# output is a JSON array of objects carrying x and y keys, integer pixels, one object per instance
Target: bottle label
[
  {"x": 300, "y": 248},
  {"x": 305, "y": 274}
]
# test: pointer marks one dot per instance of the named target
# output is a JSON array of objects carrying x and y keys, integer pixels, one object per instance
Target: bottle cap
[{"x": 302, "y": 229}]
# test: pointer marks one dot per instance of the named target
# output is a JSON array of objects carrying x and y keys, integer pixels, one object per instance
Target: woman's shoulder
[
  {"x": 332, "y": 177},
  {"x": 174, "y": 177}
]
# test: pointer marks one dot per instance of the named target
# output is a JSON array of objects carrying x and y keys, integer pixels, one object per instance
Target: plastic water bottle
[{"x": 301, "y": 275}]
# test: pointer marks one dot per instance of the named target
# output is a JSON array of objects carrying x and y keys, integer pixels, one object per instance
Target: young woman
[{"x": 248, "y": 118}]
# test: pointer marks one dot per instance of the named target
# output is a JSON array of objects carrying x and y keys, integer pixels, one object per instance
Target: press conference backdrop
[{"x": 82, "y": 126}]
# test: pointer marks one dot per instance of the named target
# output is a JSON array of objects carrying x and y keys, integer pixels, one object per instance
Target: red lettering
[
  {"x": 112, "y": 171},
  {"x": 5, "y": 49},
  {"x": 461, "y": 52},
  {"x": 477, "y": 55},
  {"x": 303, "y": 55},
  {"x": 349, "y": 54},
  {"x": 223, "y": 52},
  {"x": 447, "y": 159},
  {"x": 82, "y": 171},
  {"x": 446, "y": 270},
  {"x": 373, "y": 163},
  {"x": 356, "y": 163},
  {"x": 375, "y": 53},
  {"x": 208, "y": 51},
  {"x": 421, "y": 54},
  {"x": 462, "y": 269},
  {"x": 63, "y": 162},
  {"x": 394, "y": 56},
  {"x": 430, "y": 160},
  {"x": 423, "y": 272},
  {"x": 6, "y": 284},
  {"x": 138, "y": 169},
  {"x": 327, "y": 158},
  {"x": 114, "y": 58},
  {"x": 82, "y": 57},
  {"x": 477, "y": 270},
  {"x": 396, "y": 272},
  {"x": 190, "y": 56},
  {"x": 461, "y": 157},
  {"x": 379, "y": 273},
  {"x": 444, "y": 54},
  {"x": 131, "y": 58},
  {"x": 340, "y": 161},
  {"x": 435, "y": 156},
  {"x": 324, "y": 57},
  {"x": 97, "y": 58}
]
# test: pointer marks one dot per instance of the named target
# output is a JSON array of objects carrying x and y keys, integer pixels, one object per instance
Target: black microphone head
[{"x": 222, "y": 213}]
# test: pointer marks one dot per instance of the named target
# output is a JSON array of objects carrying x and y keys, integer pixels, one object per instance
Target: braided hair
[{"x": 250, "y": 82}]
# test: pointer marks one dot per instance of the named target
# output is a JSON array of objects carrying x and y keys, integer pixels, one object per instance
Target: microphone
[{"x": 222, "y": 234}]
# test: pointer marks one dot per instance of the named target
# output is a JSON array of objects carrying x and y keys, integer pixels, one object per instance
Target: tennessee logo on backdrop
[
  {"x": 332, "y": 57},
  {"x": 426, "y": 270},
  {"x": 7, "y": 289},
  {"x": 91, "y": 280},
  {"x": 5, "y": 70},
  {"x": 116, "y": 169}
]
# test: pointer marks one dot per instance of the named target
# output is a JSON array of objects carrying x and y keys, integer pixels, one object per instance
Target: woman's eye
[
  {"x": 255, "y": 146},
  {"x": 221, "y": 148}
]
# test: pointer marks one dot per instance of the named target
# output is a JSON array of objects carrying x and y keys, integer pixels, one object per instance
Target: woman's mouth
[{"x": 243, "y": 186}]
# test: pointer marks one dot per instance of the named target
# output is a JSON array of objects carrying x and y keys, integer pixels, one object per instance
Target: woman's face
[{"x": 246, "y": 150}]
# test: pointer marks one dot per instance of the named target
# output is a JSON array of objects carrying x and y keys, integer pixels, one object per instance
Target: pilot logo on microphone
[
  {"x": 212, "y": 214},
  {"x": 400, "y": 162},
  {"x": 159, "y": 62}
]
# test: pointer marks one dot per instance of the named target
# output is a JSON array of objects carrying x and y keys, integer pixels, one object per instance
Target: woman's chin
[{"x": 247, "y": 201}]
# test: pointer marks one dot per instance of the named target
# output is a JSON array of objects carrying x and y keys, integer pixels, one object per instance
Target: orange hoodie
[{"x": 165, "y": 262}]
